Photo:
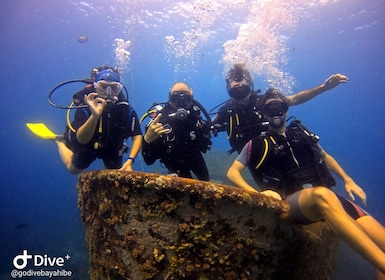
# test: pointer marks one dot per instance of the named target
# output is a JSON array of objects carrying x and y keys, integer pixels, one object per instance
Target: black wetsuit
[
  {"x": 290, "y": 161},
  {"x": 241, "y": 119},
  {"x": 181, "y": 149},
  {"x": 113, "y": 128},
  {"x": 286, "y": 163}
]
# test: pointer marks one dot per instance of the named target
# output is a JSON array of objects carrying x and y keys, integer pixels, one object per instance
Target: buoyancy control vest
[
  {"x": 189, "y": 132},
  {"x": 243, "y": 120},
  {"x": 285, "y": 163},
  {"x": 112, "y": 129}
]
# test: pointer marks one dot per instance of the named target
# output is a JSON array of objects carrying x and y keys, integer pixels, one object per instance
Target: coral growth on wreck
[{"x": 148, "y": 226}]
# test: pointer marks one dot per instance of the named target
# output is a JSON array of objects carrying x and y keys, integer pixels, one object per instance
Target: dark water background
[{"x": 40, "y": 48}]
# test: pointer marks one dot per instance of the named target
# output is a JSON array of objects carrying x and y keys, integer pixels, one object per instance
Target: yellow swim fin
[{"x": 42, "y": 131}]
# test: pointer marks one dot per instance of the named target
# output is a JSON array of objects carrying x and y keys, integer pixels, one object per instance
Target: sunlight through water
[{"x": 253, "y": 32}]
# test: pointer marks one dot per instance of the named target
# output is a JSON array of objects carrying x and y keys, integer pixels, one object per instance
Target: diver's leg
[
  {"x": 376, "y": 232},
  {"x": 66, "y": 156},
  {"x": 374, "y": 229},
  {"x": 320, "y": 202},
  {"x": 182, "y": 172},
  {"x": 380, "y": 275},
  {"x": 179, "y": 167},
  {"x": 199, "y": 167}
]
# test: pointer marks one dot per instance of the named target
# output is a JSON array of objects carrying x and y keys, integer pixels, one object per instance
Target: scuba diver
[
  {"x": 178, "y": 135},
  {"x": 288, "y": 163},
  {"x": 103, "y": 121},
  {"x": 241, "y": 115}
]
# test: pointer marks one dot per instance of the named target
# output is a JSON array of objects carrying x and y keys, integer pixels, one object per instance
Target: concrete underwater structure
[{"x": 148, "y": 226}]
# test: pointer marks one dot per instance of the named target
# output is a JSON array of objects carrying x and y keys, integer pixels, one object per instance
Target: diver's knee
[
  {"x": 73, "y": 170},
  {"x": 323, "y": 197}
]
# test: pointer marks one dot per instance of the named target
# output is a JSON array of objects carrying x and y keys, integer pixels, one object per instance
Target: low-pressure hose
[
  {"x": 207, "y": 115},
  {"x": 68, "y": 119},
  {"x": 72, "y": 106},
  {"x": 86, "y": 81}
]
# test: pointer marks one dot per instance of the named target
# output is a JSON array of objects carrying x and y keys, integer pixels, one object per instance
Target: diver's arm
[
  {"x": 234, "y": 174},
  {"x": 134, "y": 151},
  {"x": 152, "y": 144},
  {"x": 306, "y": 95},
  {"x": 155, "y": 129},
  {"x": 87, "y": 130},
  {"x": 148, "y": 153},
  {"x": 136, "y": 145},
  {"x": 219, "y": 122},
  {"x": 350, "y": 186}
]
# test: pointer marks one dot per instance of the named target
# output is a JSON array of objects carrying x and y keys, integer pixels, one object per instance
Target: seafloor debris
[{"x": 147, "y": 226}]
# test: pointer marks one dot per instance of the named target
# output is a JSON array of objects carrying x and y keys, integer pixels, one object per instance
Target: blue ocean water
[{"x": 294, "y": 45}]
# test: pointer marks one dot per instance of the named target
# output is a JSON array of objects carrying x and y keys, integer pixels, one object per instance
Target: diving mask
[
  {"x": 181, "y": 99},
  {"x": 239, "y": 91},
  {"x": 108, "y": 88},
  {"x": 275, "y": 108}
]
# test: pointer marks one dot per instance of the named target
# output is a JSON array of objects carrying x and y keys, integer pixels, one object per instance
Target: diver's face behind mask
[
  {"x": 275, "y": 108},
  {"x": 239, "y": 90},
  {"x": 181, "y": 98},
  {"x": 108, "y": 88},
  {"x": 276, "y": 113},
  {"x": 109, "y": 91},
  {"x": 239, "y": 82}
]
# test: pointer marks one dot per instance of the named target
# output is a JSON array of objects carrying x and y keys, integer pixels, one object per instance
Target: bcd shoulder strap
[{"x": 303, "y": 132}]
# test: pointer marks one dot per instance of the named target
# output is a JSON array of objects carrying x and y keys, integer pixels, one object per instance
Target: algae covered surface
[{"x": 147, "y": 226}]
